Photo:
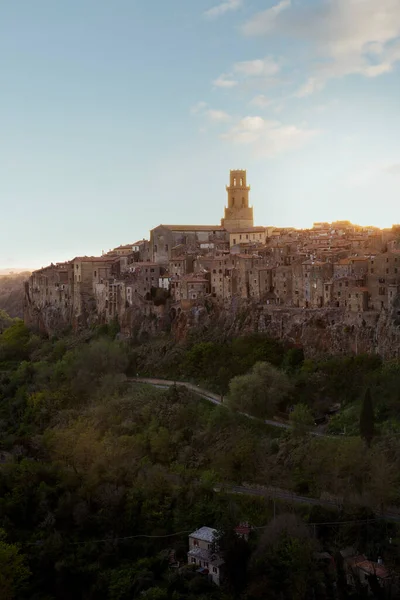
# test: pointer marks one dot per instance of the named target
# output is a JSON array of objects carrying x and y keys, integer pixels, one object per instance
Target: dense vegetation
[{"x": 90, "y": 461}]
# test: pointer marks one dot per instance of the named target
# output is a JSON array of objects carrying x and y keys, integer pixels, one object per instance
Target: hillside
[
  {"x": 12, "y": 293},
  {"x": 101, "y": 480}
]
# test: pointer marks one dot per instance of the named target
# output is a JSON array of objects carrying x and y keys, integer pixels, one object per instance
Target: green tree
[
  {"x": 260, "y": 392},
  {"x": 13, "y": 571},
  {"x": 367, "y": 419},
  {"x": 301, "y": 419}
]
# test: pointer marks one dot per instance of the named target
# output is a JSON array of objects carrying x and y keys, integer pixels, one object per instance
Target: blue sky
[{"x": 117, "y": 116}]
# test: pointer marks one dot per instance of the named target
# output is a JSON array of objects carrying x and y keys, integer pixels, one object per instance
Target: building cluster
[
  {"x": 329, "y": 265},
  {"x": 361, "y": 574}
]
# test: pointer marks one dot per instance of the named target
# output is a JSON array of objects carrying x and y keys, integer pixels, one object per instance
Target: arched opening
[
  {"x": 241, "y": 181},
  {"x": 234, "y": 181}
]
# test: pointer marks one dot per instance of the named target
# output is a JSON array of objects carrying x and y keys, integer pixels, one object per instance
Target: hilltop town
[{"x": 353, "y": 269}]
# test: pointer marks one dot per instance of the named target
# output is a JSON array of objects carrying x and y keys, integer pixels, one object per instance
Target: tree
[
  {"x": 261, "y": 391},
  {"x": 13, "y": 571},
  {"x": 367, "y": 418},
  {"x": 236, "y": 552},
  {"x": 301, "y": 419}
]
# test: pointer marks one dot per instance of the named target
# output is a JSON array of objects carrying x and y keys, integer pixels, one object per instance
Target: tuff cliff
[{"x": 318, "y": 331}]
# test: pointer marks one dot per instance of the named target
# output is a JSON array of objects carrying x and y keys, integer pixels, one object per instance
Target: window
[
  {"x": 387, "y": 271},
  {"x": 214, "y": 271},
  {"x": 241, "y": 181},
  {"x": 381, "y": 291},
  {"x": 151, "y": 270},
  {"x": 347, "y": 284},
  {"x": 234, "y": 181},
  {"x": 234, "y": 241},
  {"x": 193, "y": 560},
  {"x": 247, "y": 236},
  {"x": 387, "y": 260},
  {"x": 95, "y": 273},
  {"x": 339, "y": 294},
  {"x": 215, "y": 570},
  {"x": 155, "y": 248}
]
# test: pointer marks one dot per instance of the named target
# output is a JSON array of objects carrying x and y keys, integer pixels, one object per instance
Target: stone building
[
  {"x": 192, "y": 238},
  {"x": 383, "y": 271},
  {"x": 248, "y": 235}
]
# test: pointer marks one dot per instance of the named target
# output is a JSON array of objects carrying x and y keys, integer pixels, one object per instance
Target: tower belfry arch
[{"x": 238, "y": 213}]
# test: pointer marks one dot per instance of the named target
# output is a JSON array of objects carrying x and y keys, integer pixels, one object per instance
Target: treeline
[
  {"x": 317, "y": 383},
  {"x": 89, "y": 461}
]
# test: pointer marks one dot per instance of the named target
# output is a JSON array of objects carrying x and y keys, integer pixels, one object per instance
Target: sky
[{"x": 118, "y": 116}]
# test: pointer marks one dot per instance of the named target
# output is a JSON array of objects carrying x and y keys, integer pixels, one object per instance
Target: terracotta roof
[
  {"x": 95, "y": 258},
  {"x": 249, "y": 230},
  {"x": 192, "y": 227},
  {"x": 373, "y": 568}
]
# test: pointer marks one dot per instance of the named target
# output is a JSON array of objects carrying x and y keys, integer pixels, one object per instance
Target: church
[{"x": 168, "y": 241}]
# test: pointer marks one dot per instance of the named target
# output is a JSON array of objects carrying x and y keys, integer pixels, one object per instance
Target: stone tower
[{"x": 238, "y": 213}]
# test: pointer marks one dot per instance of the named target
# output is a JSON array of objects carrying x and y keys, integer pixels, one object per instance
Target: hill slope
[{"x": 12, "y": 293}]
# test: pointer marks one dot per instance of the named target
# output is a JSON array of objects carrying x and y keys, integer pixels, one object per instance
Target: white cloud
[
  {"x": 225, "y": 81},
  {"x": 198, "y": 108},
  {"x": 264, "y": 21},
  {"x": 348, "y": 36},
  {"x": 212, "y": 114},
  {"x": 261, "y": 101},
  {"x": 257, "y": 68},
  {"x": 393, "y": 169},
  {"x": 260, "y": 67},
  {"x": 268, "y": 138},
  {"x": 222, "y": 8},
  {"x": 218, "y": 116},
  {"x": 309, "y": 87}
]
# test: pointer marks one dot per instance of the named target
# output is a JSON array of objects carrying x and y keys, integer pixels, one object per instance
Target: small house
[{"x": 202, "y": 553}]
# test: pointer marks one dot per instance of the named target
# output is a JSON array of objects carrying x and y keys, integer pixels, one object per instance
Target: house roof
[
  {"x": 248, "y": 230},
  {"x": 214, "y": 559},
  {"x": 205, "y": 534},
  {"x": 104, "y": 258},
  {"x": 192, "y": 227},
  {"x": 243, "y": 529},
  {"x": 372, "y": 568},
  {"x": 201, "y": 553}
]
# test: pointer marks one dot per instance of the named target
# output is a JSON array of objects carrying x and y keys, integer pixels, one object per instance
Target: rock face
[{"x": 318, "y": 331}]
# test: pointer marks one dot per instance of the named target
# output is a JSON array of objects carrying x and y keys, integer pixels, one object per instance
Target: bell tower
[{"x": 238, "y": 213}]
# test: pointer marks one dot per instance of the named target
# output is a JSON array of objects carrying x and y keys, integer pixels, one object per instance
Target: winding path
[
  {"x": 215, "y": 399},
  {"x": 284, "y": 495}
]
